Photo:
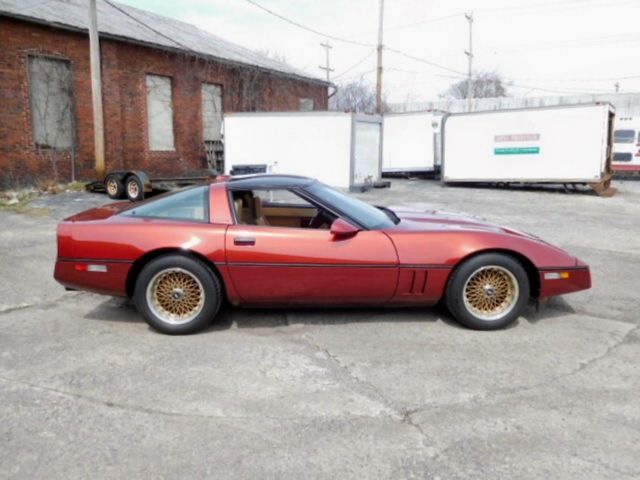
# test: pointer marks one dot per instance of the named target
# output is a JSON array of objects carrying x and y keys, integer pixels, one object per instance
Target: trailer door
[{"x": 366, "y": 152}]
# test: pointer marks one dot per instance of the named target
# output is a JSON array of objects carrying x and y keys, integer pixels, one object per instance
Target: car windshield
[
  {"x": 624, "y": 136},
  {"x": 368, "y": 216}
]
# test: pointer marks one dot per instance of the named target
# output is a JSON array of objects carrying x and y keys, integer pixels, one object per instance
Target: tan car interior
[{"x": 250, "y": 210}]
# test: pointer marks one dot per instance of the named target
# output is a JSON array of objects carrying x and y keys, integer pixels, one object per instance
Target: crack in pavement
[
  {"x": 371, "y": 391},
  {"x": 169, "y": 413},
  {"x": 517, "y": 390},
  {"x": 50, "y": 302},
  {"x": 12, "y": 308}
]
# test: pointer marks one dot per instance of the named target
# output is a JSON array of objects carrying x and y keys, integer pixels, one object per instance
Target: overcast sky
[{"x": 543, "y": 47}]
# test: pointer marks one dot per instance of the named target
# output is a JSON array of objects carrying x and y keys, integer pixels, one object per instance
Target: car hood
[{"x": 439, "y": 220}]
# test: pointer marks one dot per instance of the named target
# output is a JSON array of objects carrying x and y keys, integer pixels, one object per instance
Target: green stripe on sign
[{"x": 516, "y": 150}]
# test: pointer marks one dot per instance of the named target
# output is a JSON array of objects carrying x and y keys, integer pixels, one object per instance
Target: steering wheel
[{"x": 318, "y": 220}]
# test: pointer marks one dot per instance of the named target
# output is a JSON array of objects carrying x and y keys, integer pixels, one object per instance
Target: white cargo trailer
[
  {"x": 339, "y": 149},
  {"x": 626, "y": 146},
  {"x": 409, "y": 142},
  {"x": 558, "y": 144}
]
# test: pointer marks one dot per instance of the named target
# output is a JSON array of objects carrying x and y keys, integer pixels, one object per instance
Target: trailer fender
[{"x": 144, "y": 178}]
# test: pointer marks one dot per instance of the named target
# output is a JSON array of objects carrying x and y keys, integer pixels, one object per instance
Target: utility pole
[
  {"x": 96, "y": 90},
  {"x": 469, "y": 54},
  {"x": 379, "y": 69},
  {"x": 327, "y": 68}
]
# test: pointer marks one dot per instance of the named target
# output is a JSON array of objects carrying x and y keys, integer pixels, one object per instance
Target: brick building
[{"x": 164, "y": 86}]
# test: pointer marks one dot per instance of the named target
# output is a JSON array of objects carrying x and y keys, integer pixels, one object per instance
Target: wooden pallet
[{"x": 603, "y": 188}]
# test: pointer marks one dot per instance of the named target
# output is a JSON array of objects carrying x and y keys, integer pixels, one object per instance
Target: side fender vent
[{"x": 412, "y": 281}]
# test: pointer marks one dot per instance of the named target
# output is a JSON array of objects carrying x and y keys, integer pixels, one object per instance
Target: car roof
[{"x": 250, "y": 182}]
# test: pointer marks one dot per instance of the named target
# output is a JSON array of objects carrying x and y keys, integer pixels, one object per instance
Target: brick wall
[{"x": 124, "y": 67}]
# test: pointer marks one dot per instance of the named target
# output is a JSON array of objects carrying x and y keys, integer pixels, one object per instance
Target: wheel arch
[
  {"x": 139, "y": 264},
  {"x": 531, "y": 270}
]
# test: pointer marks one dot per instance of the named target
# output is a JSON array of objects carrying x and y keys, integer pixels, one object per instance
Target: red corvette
[{"x": 274, "y": 240}]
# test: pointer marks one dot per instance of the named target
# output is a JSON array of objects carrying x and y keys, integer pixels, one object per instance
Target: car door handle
[{"x": 244, "y": 241}]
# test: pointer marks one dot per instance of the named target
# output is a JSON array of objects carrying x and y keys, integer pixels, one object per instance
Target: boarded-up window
[
  {"x": 306, "y": 104},
  {"x": 159, "y": 113},
  {"x": 50, "y": 94},
  {"x": 211, "y": 111}
]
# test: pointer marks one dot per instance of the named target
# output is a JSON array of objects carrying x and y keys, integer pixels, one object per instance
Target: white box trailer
[
  {"x": 557, "y": 144},
  {"x": 339, "y": 149},
  {"x": 409, "y": 142}
]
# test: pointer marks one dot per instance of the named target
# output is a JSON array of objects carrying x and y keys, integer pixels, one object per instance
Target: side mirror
[{"x": 343, "y": 229}]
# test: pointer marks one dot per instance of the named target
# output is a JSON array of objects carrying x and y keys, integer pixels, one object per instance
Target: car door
[{"x": 283, "y": 265}]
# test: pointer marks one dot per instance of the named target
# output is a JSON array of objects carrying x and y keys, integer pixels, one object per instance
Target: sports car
[{"x": 280, "y": 240}]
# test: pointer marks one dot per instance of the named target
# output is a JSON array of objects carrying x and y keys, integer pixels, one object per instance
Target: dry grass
[{"x": 17, "y": 201}]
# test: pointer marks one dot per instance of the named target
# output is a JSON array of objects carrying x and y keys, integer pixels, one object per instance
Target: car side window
[
  {"x": 191, "y": 204},
  {"x": 277, "y": 208}
]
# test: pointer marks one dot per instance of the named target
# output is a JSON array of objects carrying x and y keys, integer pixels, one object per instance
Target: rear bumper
[
  {"x": 559, "y": 281},
  {"x": 109, "y": 279},
  {"x": 616, "y": 167}
]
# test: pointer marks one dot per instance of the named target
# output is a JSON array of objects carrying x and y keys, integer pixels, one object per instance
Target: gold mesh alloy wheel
[
  {"x": 175, "y": 296},
  {"x": 491, "y": 292}
]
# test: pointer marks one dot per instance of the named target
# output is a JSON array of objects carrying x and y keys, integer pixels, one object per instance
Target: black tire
[
  {"x": 461, "y": 304},
  {"x": 114, "y": 187},
  {"x": 134, "y": 188},
  {"x": 154, "y": 278}
]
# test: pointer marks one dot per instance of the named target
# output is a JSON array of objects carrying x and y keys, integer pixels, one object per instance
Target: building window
[
  {"x": 306, "y": 104},
  {"x": 211, "y": 112},
  {"x": 159, "y": 113},
  {"x": 50, "y": 95}
]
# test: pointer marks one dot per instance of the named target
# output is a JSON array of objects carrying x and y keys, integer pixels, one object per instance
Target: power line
[
  {"x": 424, "y": 22},
  {"x": 357, "y": 64},
  {"x": 577, "y": 80},
  {"x": 361, "y": 74},
  {"x": 516, "y": 9},
  {"x": 423, "y": 60},
  {"x": 563, "y": 5},
  {"x": 158, "y": 32},
  {"x": 309, "y": 29},
  {"x": 339, "y": 39},
  {"x": 459, "y": 74}
]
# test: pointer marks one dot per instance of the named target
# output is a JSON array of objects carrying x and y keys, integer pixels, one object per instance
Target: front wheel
[
  {"x": 114, "y": 187},
  {"x": 488, "y": 292},
  {"x": 177, "y": 294}
]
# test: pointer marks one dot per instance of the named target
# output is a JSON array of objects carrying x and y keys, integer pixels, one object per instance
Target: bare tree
[
  {"x": 483, "y": 85},
  {"x": 356, "y": 96},
  {"x": 274, "y": 55}
]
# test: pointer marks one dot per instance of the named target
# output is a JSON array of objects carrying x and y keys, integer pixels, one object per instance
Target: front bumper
[{"x": 559, "y": 281}]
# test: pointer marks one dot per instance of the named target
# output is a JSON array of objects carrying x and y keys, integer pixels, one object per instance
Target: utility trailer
[
  {"x": 410, "y": 143},
  {"x": 564, "y": 144},
  {"x": 137, "y": 184},
  {"x": 340, "y": 149}
]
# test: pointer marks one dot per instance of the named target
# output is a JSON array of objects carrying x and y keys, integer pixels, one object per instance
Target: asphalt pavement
[{"x": 89, "y": 391}]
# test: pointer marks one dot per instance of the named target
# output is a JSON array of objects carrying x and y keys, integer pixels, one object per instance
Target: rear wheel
[
  {"x": 134, "y": 188},
  {"x": 177, "y": 294},
  {"x": 488, "y": 292},
  {"x": 114, "y": 187}
]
